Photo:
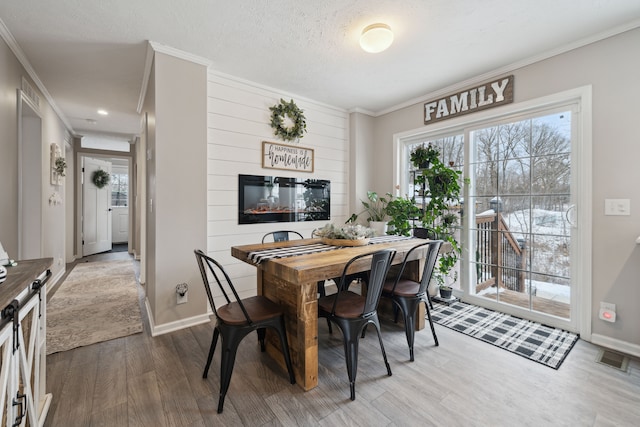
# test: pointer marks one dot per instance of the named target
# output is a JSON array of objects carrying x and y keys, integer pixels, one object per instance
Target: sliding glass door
[
  {"x": 521, "y": 201},
  {"x": 524, "y": 223}
]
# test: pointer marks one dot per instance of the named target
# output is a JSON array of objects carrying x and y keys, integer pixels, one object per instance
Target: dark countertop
[{"x": 21, "y": 276}]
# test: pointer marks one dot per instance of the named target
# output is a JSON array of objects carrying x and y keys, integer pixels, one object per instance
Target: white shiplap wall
[{"x": 238, "y": 122}]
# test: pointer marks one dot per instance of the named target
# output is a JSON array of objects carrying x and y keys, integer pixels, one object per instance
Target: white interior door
[{"x": 96, "y": 209}]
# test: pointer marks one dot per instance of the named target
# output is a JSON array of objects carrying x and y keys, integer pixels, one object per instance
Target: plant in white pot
[{"x": 376, "y": 210}]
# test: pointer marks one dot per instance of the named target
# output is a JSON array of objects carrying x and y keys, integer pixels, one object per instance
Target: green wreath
[
  {"x": 100, "y": 178},
  {"x": 290, "y": 109}
]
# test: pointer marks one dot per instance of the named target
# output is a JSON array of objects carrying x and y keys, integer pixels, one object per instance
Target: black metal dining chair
[
  {"x": 353, "y": 313},
  {"x": 407, "y": 294},
  {"x": 236, "y": 319},
  {"x": 281, "y": 235}
]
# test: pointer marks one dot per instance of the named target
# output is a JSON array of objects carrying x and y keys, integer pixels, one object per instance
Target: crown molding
[
  {"x": 512, "y": 67},
  {"x": 278, "y": 92},
  {"x": 22, "y": 58}
]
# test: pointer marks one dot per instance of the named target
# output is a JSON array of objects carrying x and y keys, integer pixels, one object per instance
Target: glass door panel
[{"x": 520, "y": 194}]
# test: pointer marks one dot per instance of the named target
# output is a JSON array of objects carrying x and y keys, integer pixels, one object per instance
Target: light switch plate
[{"x": 617, "y": 207}]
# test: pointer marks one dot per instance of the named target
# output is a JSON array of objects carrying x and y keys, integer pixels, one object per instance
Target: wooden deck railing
[{"x": 500, "y": 258}]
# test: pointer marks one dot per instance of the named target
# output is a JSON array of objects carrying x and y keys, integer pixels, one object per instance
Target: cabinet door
[
  {"x": 28, "y": 356},
  {"x": 7, "y": 375}
]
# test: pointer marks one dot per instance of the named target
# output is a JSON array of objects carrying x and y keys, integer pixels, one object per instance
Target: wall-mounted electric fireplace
[{"x": 281, "y": 199}]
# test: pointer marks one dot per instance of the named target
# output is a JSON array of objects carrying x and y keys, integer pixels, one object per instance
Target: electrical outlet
[
  {"x": 607, "y": 312},
  {"x": 181, "y": 299},
  {"x": 181, "y": 293}
]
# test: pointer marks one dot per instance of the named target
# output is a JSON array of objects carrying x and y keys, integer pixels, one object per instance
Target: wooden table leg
[{"x": 300, "y": 305}]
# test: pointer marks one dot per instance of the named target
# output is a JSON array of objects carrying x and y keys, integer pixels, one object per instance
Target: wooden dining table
[{"x": 292, "y": 282}]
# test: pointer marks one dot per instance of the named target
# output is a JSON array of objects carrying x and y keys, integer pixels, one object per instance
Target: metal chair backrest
[
  {"x": 433, "y": 248},
  {"x": 380, "y": 264},
  {"x": 281, "y": 235},
  {"x": 210, "y": 266}
]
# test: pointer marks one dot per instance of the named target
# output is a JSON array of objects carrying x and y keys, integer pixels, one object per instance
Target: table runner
[{"x": 257, "y": 257}]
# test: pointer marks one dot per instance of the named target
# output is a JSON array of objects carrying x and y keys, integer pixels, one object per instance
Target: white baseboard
[
  {"x": 616, "y": 344},
  {"x": 55, "y": 280},
  {"x": 166, "y": 328}
]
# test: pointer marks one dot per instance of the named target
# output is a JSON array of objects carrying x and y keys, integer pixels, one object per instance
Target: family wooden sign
[
  {"x": 488, "y": 95},
  {"x": 286, "y": 157}
]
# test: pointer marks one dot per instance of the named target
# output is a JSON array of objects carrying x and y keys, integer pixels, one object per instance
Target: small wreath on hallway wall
[
  {"x": 287, "y": 120},
  {"x": 100, "y": 178}
]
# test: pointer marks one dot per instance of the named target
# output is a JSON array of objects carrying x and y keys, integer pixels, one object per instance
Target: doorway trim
[
  {"x": 80, "y": 154},
  {"x": 30, "y": 132}
]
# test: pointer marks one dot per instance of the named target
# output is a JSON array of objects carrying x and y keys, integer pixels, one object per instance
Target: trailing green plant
[
  {"x": 423, "y": 155},
  {"x": 441, "y": 187},
  {"x": 402, "y": 210}
]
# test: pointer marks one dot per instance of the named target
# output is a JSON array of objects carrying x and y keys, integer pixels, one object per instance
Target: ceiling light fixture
[
  {"x": 376, "y": 38},
  {"x": 103, "y": 112}
]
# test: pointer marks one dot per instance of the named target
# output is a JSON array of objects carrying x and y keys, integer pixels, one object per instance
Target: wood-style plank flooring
[{"x": 144, "y": 381}]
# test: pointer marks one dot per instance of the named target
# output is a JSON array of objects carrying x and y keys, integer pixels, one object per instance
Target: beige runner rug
[{"x": 98, "y": 301}]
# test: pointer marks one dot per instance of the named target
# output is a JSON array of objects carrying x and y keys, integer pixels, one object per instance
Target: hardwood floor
[{"x": 143, "y": 381}]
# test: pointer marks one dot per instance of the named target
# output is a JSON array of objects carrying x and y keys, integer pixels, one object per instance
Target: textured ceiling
[{"x": 90, "y": 54}]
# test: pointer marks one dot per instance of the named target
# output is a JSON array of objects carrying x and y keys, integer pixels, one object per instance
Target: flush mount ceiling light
[
  {"x": 376, "y": 38},
  {"x": 103, "y": 112}
]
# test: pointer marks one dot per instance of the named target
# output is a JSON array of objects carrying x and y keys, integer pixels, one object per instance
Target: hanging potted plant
[{"x": 422, "y": 156}]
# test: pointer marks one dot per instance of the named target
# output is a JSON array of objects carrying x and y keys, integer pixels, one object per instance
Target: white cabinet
[{"x": 23, "y": 397}]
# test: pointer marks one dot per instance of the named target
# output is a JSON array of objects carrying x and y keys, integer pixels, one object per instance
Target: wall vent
[
  {"x": 30, "y": 93},
  {"x": 614, "y": 360}
]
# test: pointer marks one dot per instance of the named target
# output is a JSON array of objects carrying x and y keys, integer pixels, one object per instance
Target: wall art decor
[
  {"x": 286, "y": 157},
  {"x": 288, "y": 121},
  {"x": 58, "y": 164},
  {"x": 492, "y": 94}
]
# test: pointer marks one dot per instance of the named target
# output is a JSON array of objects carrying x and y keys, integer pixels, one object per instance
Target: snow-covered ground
[{"x": 547, "y": 235}]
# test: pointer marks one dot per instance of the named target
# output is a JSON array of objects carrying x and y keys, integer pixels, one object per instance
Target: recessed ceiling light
[
  {"x": 376, "y": 38},
  {"x": 103, "y": 112}
]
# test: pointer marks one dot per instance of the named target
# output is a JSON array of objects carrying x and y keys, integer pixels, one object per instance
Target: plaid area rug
[{"x": 540, "y": 343}]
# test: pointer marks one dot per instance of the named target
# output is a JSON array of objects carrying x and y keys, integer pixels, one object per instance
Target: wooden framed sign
[
  {"x": 488, "y": 95},
  {"x": 286, "y": 157}
]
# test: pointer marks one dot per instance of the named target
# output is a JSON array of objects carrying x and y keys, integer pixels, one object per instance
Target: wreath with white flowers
[
  {"x": 100, "y": 178},
  {"x": 297, "y": 125}
]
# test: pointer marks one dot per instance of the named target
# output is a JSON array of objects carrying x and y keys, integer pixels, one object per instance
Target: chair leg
[
  {"x": 376, "y": 323},
  {"x": 212, "y": 348},
  {"x": 350, "y": 335},
  {"x": 261, "y": 335},
  {"x": 230, "y": 342},
  {"x": 409, "y": 308},
  {"x": 285, "y": 349},
  {"x": 321, "y": 291},
  {"x": 433, "y": 330}
]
